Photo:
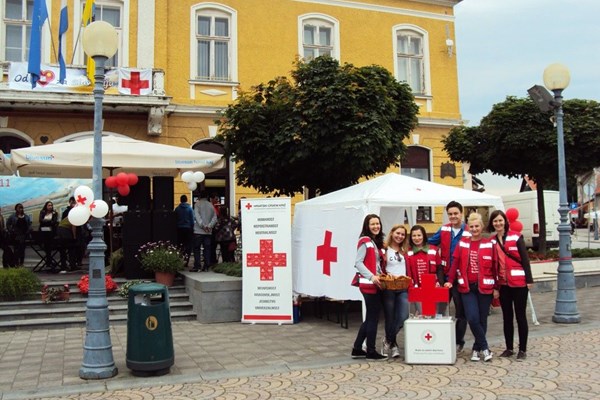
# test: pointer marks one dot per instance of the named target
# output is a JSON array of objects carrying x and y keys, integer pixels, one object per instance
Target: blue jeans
[
  {"x": 368, "y": 329},
  {"x": 203, "y": 241},
  {"x": 477, "y": 308},
  {"x": 395, "y": 309}
]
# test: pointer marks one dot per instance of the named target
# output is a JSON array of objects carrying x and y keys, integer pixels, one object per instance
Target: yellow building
[{"x": 202, "y": 53}]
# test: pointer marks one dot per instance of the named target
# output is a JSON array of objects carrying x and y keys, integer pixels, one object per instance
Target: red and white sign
[
  {"x": 266, "y": 261},
  {"x": 137, "y": 82}
]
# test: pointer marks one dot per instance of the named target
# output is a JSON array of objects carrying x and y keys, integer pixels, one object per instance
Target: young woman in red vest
[
  {"x": 421, "y": 258},
  {"x": 370, "y": 261},
  {"x": 473, "y": 269},
  {"x": 514, "y": 279},
  {"x": 395, "y": 302}
]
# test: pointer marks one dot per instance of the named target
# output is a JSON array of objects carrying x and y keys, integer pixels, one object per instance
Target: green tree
[
  {"x": 517, "y": 139},
  {"x": 323, "y": 129}
]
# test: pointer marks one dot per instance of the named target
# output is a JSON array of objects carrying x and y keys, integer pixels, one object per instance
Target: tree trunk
[{"x": 542, "y": 219}]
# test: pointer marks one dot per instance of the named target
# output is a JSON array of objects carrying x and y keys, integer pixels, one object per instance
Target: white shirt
[{"x": 396, "y": 263}]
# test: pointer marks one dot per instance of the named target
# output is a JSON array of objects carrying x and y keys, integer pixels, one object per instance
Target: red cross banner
[
  {"x": 136, "y": 82},
  {"x": 266, "y": 261}
]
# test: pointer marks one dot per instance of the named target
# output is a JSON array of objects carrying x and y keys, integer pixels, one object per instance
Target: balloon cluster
[
  {"x": 86, "y": 206},
  {"x": 192, "y": 179},
  {"x": 122, "y": 181},
  {"x": 512, "y": 214}
]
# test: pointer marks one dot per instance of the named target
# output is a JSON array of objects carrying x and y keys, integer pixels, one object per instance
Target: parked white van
[{"x": 526, "y": 203}]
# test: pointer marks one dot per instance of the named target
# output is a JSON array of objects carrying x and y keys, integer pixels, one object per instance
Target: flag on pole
[
  {"x": 86, "y": 19},
  {"x": 62, "y": 29},
  {"x": 40, "y": 15}
]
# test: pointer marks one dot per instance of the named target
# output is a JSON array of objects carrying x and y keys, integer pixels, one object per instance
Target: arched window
[
  {"x": 417, "y": 164},
  {"x": 412, "y": 57},
  {"x": 318, "y": 35}
]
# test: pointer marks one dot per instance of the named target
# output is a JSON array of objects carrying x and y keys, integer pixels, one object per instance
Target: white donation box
[{"x": 430, "y": 340}]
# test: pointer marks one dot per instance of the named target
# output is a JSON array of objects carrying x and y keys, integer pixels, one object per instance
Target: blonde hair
[
  {"x": 403, "y": 244},
  {"x": 475, "y": 217}
]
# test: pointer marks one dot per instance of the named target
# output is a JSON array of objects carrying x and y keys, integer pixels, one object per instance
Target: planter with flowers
[
  {"x": 163, "y": 258},
  {"x": 52, "y": 294},
  {"x": 84, "y": 284}
]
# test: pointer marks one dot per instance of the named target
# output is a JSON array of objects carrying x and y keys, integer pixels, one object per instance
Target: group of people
[
  {"x": 474, "y": 267},
  {"x": 53, "y": 230},
  {"x": 202, "y": 227}
]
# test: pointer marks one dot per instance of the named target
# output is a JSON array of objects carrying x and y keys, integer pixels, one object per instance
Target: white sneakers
[
  {"x": 487, "y": 355},
  {"x": 385, "y": 348},
  {"x": 395, "y": 352}
]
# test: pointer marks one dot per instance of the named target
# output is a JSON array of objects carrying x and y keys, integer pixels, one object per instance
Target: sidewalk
[{"x": 45, "y": 363}]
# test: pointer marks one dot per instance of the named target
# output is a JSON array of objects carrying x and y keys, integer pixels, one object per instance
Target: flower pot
[{"x": 166, "y": 278}]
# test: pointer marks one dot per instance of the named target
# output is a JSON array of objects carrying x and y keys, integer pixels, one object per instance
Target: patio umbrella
[
  {"x": 593, "y": 215},
  {"x": 5, "y": 168},
  {"x": 119, "y": 154}
]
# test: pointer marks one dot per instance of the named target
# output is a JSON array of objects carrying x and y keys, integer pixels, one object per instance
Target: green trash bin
[{"x": 149, "y": 335}]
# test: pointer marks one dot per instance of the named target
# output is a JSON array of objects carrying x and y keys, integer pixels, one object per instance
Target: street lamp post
[
  {"x": 556, "y": 79},
  {"x": 99, "y": 42}
]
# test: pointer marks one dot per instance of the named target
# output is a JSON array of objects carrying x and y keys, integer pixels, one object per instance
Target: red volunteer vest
[
  {"x": 485, "y": 258},
  {"x": 421, "y": 263},
  {"x": 370, "y": 261},
  {"x": 515, "y": 274}
]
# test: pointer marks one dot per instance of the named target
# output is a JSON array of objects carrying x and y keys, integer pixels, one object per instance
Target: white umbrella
[
  {"x": 119, "y": 154},
  {"x": 593, "y": 215},
  {"x": 5, "y": 168}
]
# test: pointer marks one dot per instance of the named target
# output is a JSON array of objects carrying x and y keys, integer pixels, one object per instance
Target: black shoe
[
  {"x": 195, "y": 270},
  {"x": 459, "y": 348},
  {"x": 507, "y": 353},
  {"x": 375, "y": 356},
  {"x": 358, "y": 353},
  {"x": 522, "y": 355}
]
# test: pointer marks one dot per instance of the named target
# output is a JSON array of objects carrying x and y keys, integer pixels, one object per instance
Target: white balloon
[
  {"x": 192, "y": 186},
  {"x": 99, "y": 208},
  {"x": 79, "y": 215},
  {"x": 198, "y": 176},
  {"x": 84, "y": 196},
  {"x": 187, "y": 176}
]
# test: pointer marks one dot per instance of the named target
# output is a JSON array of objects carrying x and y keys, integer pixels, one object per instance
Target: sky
[{"x": 503, "y": 46}]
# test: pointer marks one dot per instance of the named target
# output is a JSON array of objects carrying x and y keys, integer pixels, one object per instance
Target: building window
[
  {"x": 417, "y": 164},
  {"x": 411, "y": 58},
  {"x": 213, "y": 45},
  {"x": 113, "y": 12},
  {"x": 17, "y": 15},
  {"x": 318, "y": 36}
]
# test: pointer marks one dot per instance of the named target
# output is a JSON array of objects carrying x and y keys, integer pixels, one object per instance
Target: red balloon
[
  {"x": 111, "y": 182},
  {"x": 123, "y": 190},
  {"x": 122, "y": 178},
  {"x": 132, "y": 179},
  {"x": 512, "y": 214},
  {"x": 516, "y": 226}
]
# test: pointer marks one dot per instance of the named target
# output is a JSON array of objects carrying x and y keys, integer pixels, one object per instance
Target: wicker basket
[{"x": 389, "y": 282}]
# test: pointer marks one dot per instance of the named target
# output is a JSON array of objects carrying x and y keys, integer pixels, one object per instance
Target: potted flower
[
  {"x": 84, "y": 284},
  {"x": 50, "y": 294},
  {"x": 162, "y": 258}
]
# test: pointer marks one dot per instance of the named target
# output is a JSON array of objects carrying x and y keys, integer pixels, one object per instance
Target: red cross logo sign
[
  {"x": 427, "y": 337},
  {"x": 248, "y": 206},
  {"x": 327, "y": 253},
  {"x": 266, "y": 260},
  {"x": 428, "y": 294},
  {"x": 136, "y": 83}
]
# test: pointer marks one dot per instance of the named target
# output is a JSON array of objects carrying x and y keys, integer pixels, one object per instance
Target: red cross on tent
[
  {"x": 135, "y": 82},
  {"x": 327, "y": 253},
  {"x": 428, "y": 294},
  {"x": 266, "y": 259}
]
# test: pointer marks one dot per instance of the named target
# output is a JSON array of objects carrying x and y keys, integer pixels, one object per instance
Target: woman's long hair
[
  {"x": 378, "y": 239},
  {"x": 403, "y": 244}
]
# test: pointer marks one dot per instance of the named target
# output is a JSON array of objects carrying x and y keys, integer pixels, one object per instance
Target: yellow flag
[{"x": 86, "y": 19}]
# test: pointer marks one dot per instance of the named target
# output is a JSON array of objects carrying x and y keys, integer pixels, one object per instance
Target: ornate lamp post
[
  {"x": 556, "y": 78},
  {"x": 100, "y": 42}
]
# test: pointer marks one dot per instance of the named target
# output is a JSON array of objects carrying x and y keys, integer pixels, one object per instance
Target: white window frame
[
  {"x": 320, "y": 20},
  {"x": 214, "y": 9},
  {"x": 122, "y": 32},
  {"x": 415, "y": 31},
  {"x": 45, "y": 42}
]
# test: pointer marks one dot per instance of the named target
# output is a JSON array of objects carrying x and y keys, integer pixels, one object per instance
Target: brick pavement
[{"x": 310, "y": 360}]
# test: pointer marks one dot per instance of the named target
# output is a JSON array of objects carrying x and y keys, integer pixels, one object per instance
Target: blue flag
[
  {"x": 40, "y": 15},
  {"x": 62, "y": 29}
]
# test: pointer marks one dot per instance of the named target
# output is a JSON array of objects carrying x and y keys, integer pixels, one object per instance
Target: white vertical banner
[{"x": 267, "y": 261}]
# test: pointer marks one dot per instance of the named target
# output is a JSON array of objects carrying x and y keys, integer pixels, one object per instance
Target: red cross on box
[
  {"x": 266, "y": 259},
  {"x": 428, "y": 294},
  {"x": 327, "y": 253},
  {"x": 135, "y": 83}
]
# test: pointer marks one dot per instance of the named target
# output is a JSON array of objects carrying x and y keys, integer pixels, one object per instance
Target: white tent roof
[{"x": 397, "y": 190}]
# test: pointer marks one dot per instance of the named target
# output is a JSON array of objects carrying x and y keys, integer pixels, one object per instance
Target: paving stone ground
[{"x": 310, "y": 360}]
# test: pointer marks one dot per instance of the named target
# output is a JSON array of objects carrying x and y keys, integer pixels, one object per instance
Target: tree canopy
[
  {"x": 324, "y": 129},
  {"x": 517, "y": 139}
]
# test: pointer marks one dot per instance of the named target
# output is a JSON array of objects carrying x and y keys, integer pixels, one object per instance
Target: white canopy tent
[
  {"x": 74, "y": 159},
  {"x": 325, "y": 229}
]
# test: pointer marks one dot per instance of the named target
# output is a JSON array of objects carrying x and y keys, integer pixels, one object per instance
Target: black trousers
[{"x": 513, "y": 301}]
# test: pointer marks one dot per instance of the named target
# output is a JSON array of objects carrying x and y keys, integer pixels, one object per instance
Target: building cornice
[
  {"x": 391, "y": 10},
  {"x": 440, "y": 122}
]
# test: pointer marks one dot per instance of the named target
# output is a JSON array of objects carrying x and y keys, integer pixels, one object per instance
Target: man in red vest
[{"x": 446, "y": 238}]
